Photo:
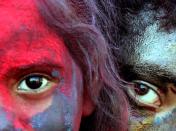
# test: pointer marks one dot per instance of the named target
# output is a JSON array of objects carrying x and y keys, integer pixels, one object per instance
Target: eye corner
[{"x": 144, "y": 94}]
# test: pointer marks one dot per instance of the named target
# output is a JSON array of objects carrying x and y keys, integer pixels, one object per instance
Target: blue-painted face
[{"x": 149, "y": 64}]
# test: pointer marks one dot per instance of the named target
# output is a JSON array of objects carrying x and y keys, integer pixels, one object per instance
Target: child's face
[{"x": 41, "y": 87}]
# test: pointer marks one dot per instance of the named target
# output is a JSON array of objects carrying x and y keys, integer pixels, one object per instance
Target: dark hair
[
  {"x": 75, "y": 22},
  {"x": 116, "y": 24},
  {"x": 122, "y": 23}
]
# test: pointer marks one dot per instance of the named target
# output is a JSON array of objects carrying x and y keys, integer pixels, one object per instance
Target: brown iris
[{"x": 141, "y": 89}]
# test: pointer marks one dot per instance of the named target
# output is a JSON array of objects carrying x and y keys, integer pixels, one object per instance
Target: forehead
[
  {"x": 18, "y": 9},
  {"x": 158, "y": 47},
  {"x": 24, "y": 35},
  {"x": 149, "y": 49},
  {"x": 18, "y": 14},
  {"x": 20, "y": 21}
]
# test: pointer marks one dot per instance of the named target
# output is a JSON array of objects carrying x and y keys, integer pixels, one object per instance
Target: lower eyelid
[
  {"x": 39, "y": 95},
  {"x": 142, "y": 104},
  {"x": 152, "y": 87},
  {"x": 54, "y": 83}
]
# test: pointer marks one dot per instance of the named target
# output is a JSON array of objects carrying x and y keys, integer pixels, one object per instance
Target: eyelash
[
  {"x": 12, "y": 80},
  {"x": 36, "y": 73},
  {"x": 140, "y": 99},
  {"x": 37, "y": 93},
  {"x": 45, "y": 72}
]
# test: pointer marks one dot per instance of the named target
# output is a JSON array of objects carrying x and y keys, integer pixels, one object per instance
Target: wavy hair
[{"x": 76, "y": 22}]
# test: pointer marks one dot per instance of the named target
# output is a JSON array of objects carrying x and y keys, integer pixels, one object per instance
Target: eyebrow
[
  {"x": 148, "y": 71},
  {"x": 40, "y": 66}
]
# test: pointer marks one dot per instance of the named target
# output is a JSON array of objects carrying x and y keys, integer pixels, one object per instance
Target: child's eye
[{"x": 34, "y": 84}]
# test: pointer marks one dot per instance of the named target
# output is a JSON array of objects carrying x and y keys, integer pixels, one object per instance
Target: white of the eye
[
  {"x": 150, "y": 98},
  {"x": 23, "y": 86}
]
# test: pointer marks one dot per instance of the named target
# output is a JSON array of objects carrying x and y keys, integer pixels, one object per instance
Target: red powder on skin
[
  {"x": 22, "y": 125},
  {"x": 21, "y": 17},
  {"x": 14, "y": 13}
]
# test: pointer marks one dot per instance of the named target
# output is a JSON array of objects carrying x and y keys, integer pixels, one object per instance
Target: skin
[
  {"x": 149, "y": 64},
  {"x": 29, "y": 48}
]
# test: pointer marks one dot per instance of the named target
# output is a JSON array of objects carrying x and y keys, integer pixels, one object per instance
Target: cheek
[
  {"x": 58, "y": 116},
  {"x": 140, "y": 123},
  {"x": 155, "y": 122},
  {"x": 63, "y": 114},
  {"x": 166, "y": 119}
]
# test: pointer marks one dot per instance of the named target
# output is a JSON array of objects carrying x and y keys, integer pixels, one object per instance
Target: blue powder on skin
[
  {"x": 56, "y": 117},
  {"x": 55, "y": 73},
  {"x": 158, "y": 121},
  {"x": 5, "y": 123}
]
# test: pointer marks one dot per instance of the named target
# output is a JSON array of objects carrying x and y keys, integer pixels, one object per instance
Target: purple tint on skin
[
  {"x": 6, "y": 123},
  {"x": 56, "y": 118},
  {"x": 61, "y": 113},
  {"x": 55, "y": 74}
]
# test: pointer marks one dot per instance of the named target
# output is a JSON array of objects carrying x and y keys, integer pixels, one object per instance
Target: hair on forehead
[
  {"x": 115, "y": 23},
  {"x": 75, "y": 21},
  {"x": 119, "y": 8}
]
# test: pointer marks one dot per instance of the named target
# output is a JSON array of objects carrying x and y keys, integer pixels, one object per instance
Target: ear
[{"x": 88, "y": 105}]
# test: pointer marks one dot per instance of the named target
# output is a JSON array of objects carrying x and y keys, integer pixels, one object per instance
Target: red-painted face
[{"x": 41, "y": 87}]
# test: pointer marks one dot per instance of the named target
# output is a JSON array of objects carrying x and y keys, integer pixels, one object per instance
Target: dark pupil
[
  {"x": 34, "y": 82},
  {"x": 141, "y": 89}
]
